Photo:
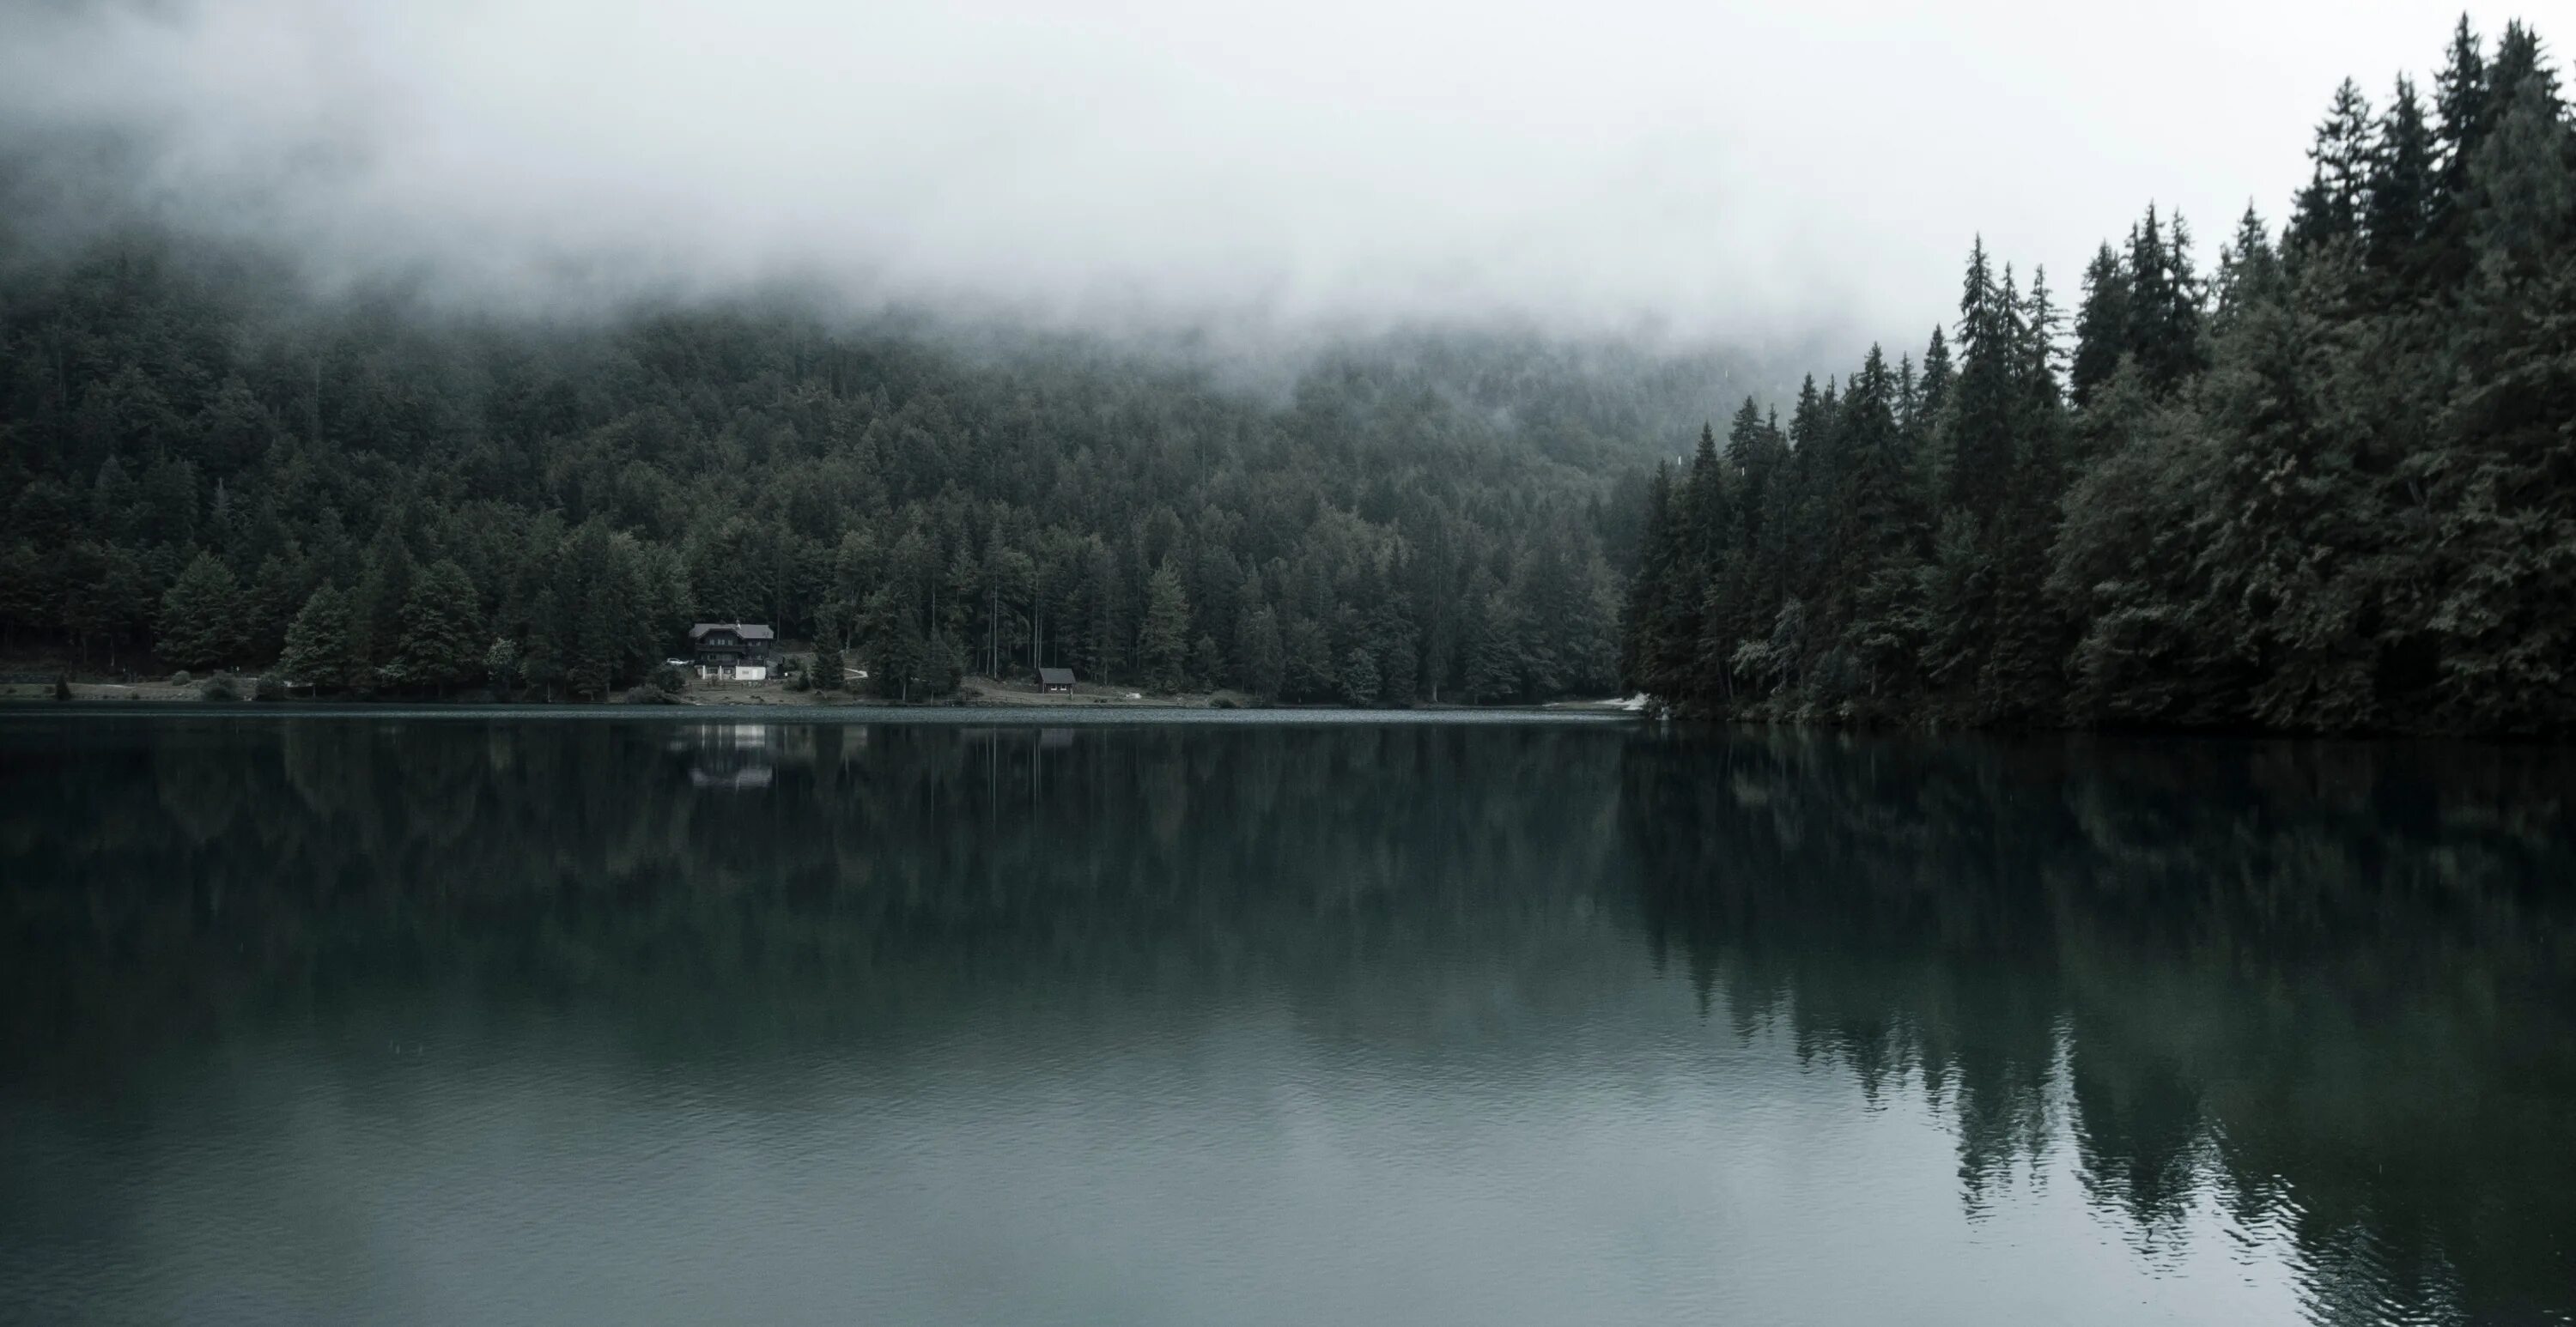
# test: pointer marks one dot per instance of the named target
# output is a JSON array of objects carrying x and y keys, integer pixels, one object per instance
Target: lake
[{"x": 682, "y": 1018}]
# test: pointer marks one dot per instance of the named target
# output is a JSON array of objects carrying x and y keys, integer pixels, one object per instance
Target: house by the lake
[
  {"x": 735, "y": 651},
  {"x": 1056, "y": 681}
]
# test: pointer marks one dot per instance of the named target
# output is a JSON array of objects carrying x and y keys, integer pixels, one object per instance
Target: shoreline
[
  {"x": 948, "y": 715},
  {"x": 978, "y": 700}
]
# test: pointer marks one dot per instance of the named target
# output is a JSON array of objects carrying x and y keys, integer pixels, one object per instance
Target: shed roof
[
  {"x": 1055, "y": 677},
  {"x": 746, "y": 630}
]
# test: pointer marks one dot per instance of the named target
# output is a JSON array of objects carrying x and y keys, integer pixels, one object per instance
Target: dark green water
[{"x": 470, "y": 1020}]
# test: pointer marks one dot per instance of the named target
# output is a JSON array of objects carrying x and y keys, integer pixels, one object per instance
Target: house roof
[
  {"x": 1054, "y": 677},
  {"x": 746, "y": 630}
]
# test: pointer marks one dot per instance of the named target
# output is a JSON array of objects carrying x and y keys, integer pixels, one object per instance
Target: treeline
[
  {"x": 2330, "y": 487},
  {"x": 204, "y": 472}
]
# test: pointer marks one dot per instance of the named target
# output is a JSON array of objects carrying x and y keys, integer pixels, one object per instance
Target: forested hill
[
  {"x": 2328, "y": 487},
  {"x": 205, "y": 470}
]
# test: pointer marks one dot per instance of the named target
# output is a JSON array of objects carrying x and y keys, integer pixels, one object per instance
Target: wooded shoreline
[{"x": 2330, "y": 489}]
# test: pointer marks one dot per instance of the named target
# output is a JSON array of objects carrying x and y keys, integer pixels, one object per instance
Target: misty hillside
[
  {"x": 2319, "y": 481},
  {"x": 200, "y": 457}
]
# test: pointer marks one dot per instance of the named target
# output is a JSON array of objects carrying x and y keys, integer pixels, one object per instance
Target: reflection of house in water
[
  {"x": 730, "y": 756},
  {"x": 736, "y": 757}
]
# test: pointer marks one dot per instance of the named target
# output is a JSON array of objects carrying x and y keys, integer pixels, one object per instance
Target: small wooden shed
[{"x": 1056, "y": 681}]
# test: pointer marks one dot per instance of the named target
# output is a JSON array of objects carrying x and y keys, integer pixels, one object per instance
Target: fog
[{"x": 1729, "y": 172}]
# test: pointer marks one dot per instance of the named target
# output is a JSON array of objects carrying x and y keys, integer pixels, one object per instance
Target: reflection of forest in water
[{"x": 2326, "y": 987}]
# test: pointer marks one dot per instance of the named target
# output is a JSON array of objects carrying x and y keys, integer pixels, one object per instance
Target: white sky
[{"x": 1739, "y": 170}]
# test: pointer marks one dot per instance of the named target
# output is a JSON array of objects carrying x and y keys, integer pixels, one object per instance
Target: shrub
[
  {"x": 62, "y": 687},
  {"x": 268, "y": 688},
  {"x": 180, "y": 678},
  {"x": 219, "y": 687}
]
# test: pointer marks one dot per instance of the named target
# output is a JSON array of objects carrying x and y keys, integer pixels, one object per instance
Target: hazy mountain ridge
[{"x": 196, "y": 437}]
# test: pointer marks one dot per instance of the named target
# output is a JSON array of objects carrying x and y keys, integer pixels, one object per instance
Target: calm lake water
[{"x": 529, "y": 1020}]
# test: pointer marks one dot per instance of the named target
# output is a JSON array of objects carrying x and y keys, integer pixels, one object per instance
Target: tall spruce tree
[
  {"x": 200, "y": 624},
  {"x": 1164, "y": 646},
  {"x": 2332, "y": 206},
  {"x": 1976, "y": 450},
  {"x": 319, "y": 653},
  {"x": 2401, "y": 186},
  {"x": 2101, "y": 323},
  {"x": 443, "y": 641}
]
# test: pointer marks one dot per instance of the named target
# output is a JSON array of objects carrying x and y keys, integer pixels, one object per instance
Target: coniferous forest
[
  {"x": 205, "y": 472},
  {"x": 2327, "y": 486},
  {"x": 2325, "y": 483}
]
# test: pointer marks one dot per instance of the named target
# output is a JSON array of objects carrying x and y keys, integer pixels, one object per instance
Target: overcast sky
[{"x": 1767, "y": 170}]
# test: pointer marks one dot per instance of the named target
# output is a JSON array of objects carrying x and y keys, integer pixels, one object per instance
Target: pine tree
[
  {"x": 2102, "y": 324},
  {"x": 1493, "y": 647},
  {"x": 2164, "y": 333},
  {"x": 1647, "y": 657},
  {"x": 1708, "y": 506},
  {"x": 120, "y": 602},
  {"x": 2504, "y": 551},
  {"x": 604, "y": 629},
  {"x": 1360, "y": 680},
  {"x": 443, "y": 641},
  {"x": 2402, "y": 184},
  {"x": 200, "y": 623},
  {"x": 269, "y": 604},
  {"x": 375, "y": 610},
  {"x": 1874, "y": 505},
  {"x": 546, "y": 660},
  {"x": 1260, "y": 655},
  {"x": 1164, "y": 646},
  {"x": 1307, "y": 671},
  {"x": 2521, "y": 67},
  {"x": 831, "y": 669},
  {"x": 2249, "y": 270},
  {"x": 2333, "y": 204},
  {"x": 1207, "y": 662},
  {"x": 2460, "y": 110},
  {"x": 1398, "y": 666},
  {"x": 318, "y": 651},
  {"x": 1977, "y": 450},
  {"x": 1937, "y": 376},
  {"x": 1391, "y": 640}
]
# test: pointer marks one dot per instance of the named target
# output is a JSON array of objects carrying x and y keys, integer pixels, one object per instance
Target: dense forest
[
  {"x": 207, "y": 469},
  {"x": 2329, "y": 487}
]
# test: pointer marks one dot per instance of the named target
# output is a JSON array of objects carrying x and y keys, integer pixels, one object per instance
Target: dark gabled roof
[
  {"x": 746, "y": 630},
  {"x": 1055, "y": 677}
]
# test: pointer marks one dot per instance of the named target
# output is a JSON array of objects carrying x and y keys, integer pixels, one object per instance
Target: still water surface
[{"x": 522, "y": 1020}]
